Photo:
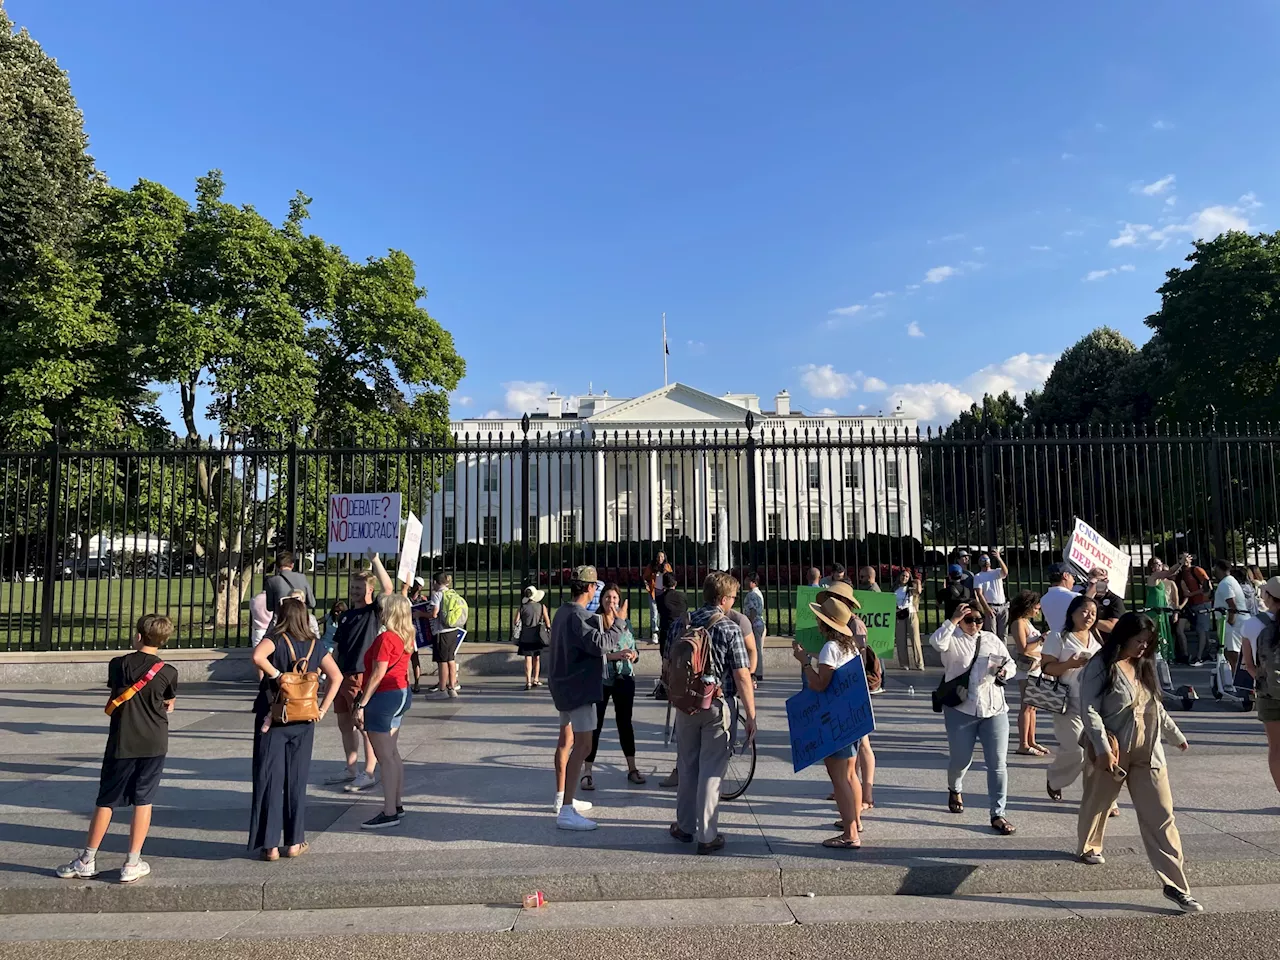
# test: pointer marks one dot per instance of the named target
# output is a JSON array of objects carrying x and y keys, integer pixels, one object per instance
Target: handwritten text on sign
[
  {"x": 359, "y": 522},
  {"x": 1088, "y": 549},
  {"x": 822, "y": 723}
]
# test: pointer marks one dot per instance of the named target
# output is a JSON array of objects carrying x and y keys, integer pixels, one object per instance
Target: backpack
[
  {"x": 297, "y": 691},
  {"x": 1267, "y": 681},
  {"x": 453, "y": 610},
  {"x": 689, "y": 689}
]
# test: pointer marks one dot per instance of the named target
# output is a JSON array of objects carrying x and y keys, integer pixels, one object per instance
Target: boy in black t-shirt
[{"x": 143, "y": 693}]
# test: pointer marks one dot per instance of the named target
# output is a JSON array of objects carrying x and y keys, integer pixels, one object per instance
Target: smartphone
[{"x": 1119, "y": 773}]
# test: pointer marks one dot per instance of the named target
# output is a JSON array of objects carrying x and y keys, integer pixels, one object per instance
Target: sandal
[
  {"x": 1113, "y": 812},
  {"x": 1040, "y": 751},
  {"x": 839, "y": 825},
  {"x": 841, "y": 843},
  {"x": 635, "y": 776},
  {"x": 303, "y": 847},
  {"x": 1027, "y": 752},
  {"x": 955, "y": 802},
  {"x": 528, "y": 685},
  {"x": 586, "y": 783},
  {"x": 271, "y": 855},
  {"x": 1003, "y": 827},
  {"x": 1054, "y": 795}
]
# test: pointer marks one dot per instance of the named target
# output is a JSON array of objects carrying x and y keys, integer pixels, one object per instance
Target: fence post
[
  {"x": 524, "y": 499},
  {"x": 752, "y": 522},
  {"x": 291, "y": 505},
  {"x": 1216, "y": 531},
  {"x": 989, "y": 489},
  {"x": 54, "y": 453}
]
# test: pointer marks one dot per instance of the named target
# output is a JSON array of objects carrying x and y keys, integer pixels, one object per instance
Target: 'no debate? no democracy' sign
[{"x": 360, "y": 522}]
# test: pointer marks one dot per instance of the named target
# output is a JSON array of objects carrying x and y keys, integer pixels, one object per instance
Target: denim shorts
[
  {"x": 846, "y": 753},
  {"x": 384, "y": 711}
]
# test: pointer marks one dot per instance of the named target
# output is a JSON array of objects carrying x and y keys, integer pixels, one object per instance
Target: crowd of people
[{"x": 1075, "y": 653}]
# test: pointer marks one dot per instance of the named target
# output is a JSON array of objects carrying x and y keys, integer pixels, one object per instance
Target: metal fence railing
[{"x": 92, "y": 539}]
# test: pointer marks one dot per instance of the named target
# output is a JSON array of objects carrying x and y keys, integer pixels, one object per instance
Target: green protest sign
[{"x": 878, "y": 611}]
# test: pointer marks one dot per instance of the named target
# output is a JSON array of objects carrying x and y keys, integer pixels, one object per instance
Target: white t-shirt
[
  {"x": 1053, "y": 607},
  {"x": 1250, "y": 630},
  {"x": 1064, "y": 646},
  {"x": 1229, "y": 588},
  {"x": 905, "y": 598},
  {"x": 833, "y": 655},
  {"x": 991, "y": 583}
]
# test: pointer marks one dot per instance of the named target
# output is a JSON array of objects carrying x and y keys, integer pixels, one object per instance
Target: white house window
[
  {"x": 894, "y": 525},
  {"x": 489, "y": 478},
  {"x": 815, "y": 475},
  {"x": 717, "y": 476},
  {"x": 815, "y": 526},
  {"x": 533, "y": 530},
  {"x": 449, "y": 533},
  {"x": 624, "y": 526},
  {"x": 533, "y": 474},
  {"x": 853, "y": 525},
  {"x": 671, "y": 476},
  {"x": 568, "y": 528},
  {"x": 852, "y": 475},
  {"x": 566, "y": 475},
  {"x": 773, "y": 526},
  {"x": 449, "y": 479},
  {"x": 489, "y": 531},
  {"x": 624, "y": 477},
  {"x": 773, "y": 475},
  {"x": 891, "y": 477}
]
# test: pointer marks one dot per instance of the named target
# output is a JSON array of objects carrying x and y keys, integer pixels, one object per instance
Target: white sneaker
[
  {"x": 457, "y": 688},
  {"x": 362, "y": 782},
  {"x": 582, "y": 806},
  {"x": 134, "y": 871},
  {"x": 79, "y": 868},
  {"x": 1093, "y": 859},
  {"x": 570, "y": 819},
  {"x": 453, "y": 694},
  {"x": 346, "y": 776}
]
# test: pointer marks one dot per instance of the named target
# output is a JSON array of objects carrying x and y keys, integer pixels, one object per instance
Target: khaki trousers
[
  {"x": 907, "y": 638},
  {"x": 1153, "y": 805},
  {"x": 1068, "y": 762},
  {"x": 702, "y": 756}
]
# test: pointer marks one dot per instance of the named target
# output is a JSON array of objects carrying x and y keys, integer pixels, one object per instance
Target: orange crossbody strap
[{"x": 132, "y": 691}]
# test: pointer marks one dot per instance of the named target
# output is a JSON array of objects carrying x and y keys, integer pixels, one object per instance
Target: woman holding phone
[
  {"x": 1063, "y": 655},
  {"x": 1124, "y": 718}
]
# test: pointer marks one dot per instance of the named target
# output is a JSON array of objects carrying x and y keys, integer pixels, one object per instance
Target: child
[{"x": 143, "y": 694}]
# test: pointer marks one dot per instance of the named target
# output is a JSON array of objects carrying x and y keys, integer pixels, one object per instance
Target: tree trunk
[{"x": 231, "y": 583}]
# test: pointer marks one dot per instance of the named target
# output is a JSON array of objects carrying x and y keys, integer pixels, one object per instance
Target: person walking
[
  {"x": 533, "y": 632},
  {"x": 1261, "y": 654},
  {"x": 282, "y": 751},
  {"x": 1063, "y": 655},
  {"x": 753, "y": 607},
  {"x": 576, "y": 677},
  {"x": 990, "y": 583},
  {"x": 1061, "y": 592},
  {"x": 285, "y": 581},
  {"x": 1123, "y": 719},
  {"x": 448, "y": 615},
  {"x": 907, "y": 625},
  {"x": 619, "y": 686},
  {"x": 838, "y": 649},
  {"x": 983, "y": 715},
  {"x": 384, "y": 701},
  {"x": 1027, "y": 642},
  {"x": 702, "y": 738},
  {"x": 655, "y": 583},
  {"x": 1230, "y": 604}
]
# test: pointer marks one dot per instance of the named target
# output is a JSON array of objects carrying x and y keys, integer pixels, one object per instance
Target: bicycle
[{"x": 741, "y": 768}]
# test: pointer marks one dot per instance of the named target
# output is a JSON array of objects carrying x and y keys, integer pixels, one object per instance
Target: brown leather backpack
[{"x": 297, "y": 690}]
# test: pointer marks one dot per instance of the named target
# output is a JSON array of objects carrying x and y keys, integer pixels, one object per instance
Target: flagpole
[{"x": 665, "y": 351}]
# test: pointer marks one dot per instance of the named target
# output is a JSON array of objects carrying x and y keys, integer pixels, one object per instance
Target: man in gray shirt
[
  {"x": 285, "y": 580},
  {"x": 576, "y": 678}
]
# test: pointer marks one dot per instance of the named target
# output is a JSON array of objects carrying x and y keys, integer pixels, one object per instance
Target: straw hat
[
  {"x": 1272, "y": 587},
  {"x": 834, "y": 614},
  {"x": 841, "y": 590},
  {"x": 533, "y": 595}
]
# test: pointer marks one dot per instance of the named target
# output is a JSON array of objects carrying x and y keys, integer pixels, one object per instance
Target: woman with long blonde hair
[{"x": 385, "y": 699}]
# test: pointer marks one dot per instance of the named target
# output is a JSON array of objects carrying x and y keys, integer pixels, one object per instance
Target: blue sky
[{"x": 868, "y": 204}]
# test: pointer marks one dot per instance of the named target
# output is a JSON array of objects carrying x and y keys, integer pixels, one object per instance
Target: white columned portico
[
  {"x": 601, "y": 501},
  {"x": 655, "y": 502}
]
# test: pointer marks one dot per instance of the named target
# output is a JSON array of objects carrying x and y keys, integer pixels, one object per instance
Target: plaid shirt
[{"x": 728, "y": 649}]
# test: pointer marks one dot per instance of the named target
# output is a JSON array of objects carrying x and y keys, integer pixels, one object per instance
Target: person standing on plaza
[
  {"x": 1162, "y": 603},
  {"x": 753, "y": 607},
  {"x": 865, "y": 762},
  {"x": 838, "y": 649},
  {"x": 1261, "y": 654},
  {"x": 702, "y": 738},
  {"x": 421, "y": 627},
  {"x": 1123, "y": 719},
  {"x": 356, "y": 633},
  {"x": 957, "y": 590},
  {"x": 619, "y": 686},
  {"x": 1110, "y": 604},
  {"x": 385, "y": 699},
  {"x": 867, "y": 579},
  {"x": 1027, "y": 642},
  {"x": 1193, "y": 585},
  {"x": 983, "y": 715},
  {"x": 961, "y": 559},
  {"x": 1065, "y": 652},
  {"x": 448, "y": 615},
  {"x": 259, "y": 618},
  {"x": 285, "y": 581},
  {"x": 576, "y": 678},
  {"x": 838, "y": 575},
  {"x": 282, "y": 751},
  {"x": 655, "y": 583},
  {"x": 907, "y": 624},
  {"x": 990, "y": 582},
  {"x": 1059, "y": 596},
  {"x": 533, "y": 633},
  {"x": 1229, "y": 603},
  {"x": 144, "y": 691}
]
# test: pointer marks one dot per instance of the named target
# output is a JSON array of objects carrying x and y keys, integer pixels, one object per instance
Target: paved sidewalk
[{"x": 480, "y": 828}]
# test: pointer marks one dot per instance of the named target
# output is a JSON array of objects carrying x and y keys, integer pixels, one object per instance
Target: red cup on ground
[{"x": 532, "y": 901}]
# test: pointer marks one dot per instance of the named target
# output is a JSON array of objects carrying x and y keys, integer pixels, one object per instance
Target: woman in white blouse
[
  {"x": 984, "y": 713},
  {"x": 1065, "y": 652}
]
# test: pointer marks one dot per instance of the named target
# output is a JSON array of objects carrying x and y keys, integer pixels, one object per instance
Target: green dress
[{"x": 1161, "y": 611}]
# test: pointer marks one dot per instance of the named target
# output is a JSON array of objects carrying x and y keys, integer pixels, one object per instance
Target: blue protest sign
[{"x": 822, "y": 723}]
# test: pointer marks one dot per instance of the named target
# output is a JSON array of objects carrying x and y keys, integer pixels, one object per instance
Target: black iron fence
[{"x": 92, "y": 539}]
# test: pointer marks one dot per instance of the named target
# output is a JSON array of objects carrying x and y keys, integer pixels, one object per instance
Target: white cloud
[
  {"x": 874, "y": 385},
  {"x": 1162, "y": 125},
  {"x": 1073, "y": 233},
  {"x": 492, "y": 414},
  {"x": 525, "y": 396},
  {"x": 949, "y": 238},
  {"x": 1170, "y": 200},
  {"x": 461, "y": 401},
  {"x": 913, "y": 330},
  {"x": 1098, "y": 274},
  {"x": 1040, "y": 248},
  {"x": 938, "y": 402},
  {"x": 1131, "y": 235},
  {"x": 938, "y": 274},
  {"x": 881, "y": 294},
  {"x": 695, "y": 348},
  {"x": 1202, "y": 225},
  {"x": 912, "y": 286},
  {"x": 1127, "y": 268},
  {"x": 1157, "y": 188},
  {"x": 1068, "y": 156},
  {"x": 827, "y": 382},
  {"x": 979, "y": 250},
  {"x": 826, "y": 412},
  {"x": 848, "y": 311},
  {"x": 1249, "y": 201}
]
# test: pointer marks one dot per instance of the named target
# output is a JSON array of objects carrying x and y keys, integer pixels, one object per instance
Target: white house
[{"x": 674, "y": 463}]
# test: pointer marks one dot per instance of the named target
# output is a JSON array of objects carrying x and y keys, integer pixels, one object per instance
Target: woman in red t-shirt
[{"x": 385, "y": 699}]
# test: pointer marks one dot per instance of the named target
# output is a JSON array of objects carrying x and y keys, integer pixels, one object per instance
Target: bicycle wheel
[{"x": 742, "y": 762}]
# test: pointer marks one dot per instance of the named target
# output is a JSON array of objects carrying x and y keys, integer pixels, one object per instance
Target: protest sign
[
  {"x": 1088, "y": 549},
  {"x": 360, "y": 522},
  {"x": 411, "y": 549},
  {"x": 822, "y": 723},
  {"x": 877, "y": 612}
]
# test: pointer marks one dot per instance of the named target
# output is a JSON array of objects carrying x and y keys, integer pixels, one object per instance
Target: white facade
[{"x": 672, "y": 464}]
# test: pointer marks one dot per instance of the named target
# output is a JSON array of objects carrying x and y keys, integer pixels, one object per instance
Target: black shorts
[
  {"x": 446, "y": 647},
  {"x": 129, "y": 783}
]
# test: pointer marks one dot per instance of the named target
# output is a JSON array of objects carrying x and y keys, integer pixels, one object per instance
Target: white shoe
[
  {"x": 134, "y": 871},
  {"x": 79, "y": 868},
  {"x": 457, "y": 688},
  {"x": 346, "y": 776},
  {"x": 570, "y": 819},
  {"x": 453, "y": 694},
  {"x": 362, "y": 782},
  {"x": 582, "y": 806},
  {"x": 1093, "y": 859}
]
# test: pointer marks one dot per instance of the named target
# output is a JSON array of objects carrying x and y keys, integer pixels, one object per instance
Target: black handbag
[{"x": 953, "y": 692}]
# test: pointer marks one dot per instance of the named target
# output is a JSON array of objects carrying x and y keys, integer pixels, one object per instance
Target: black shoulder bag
[{"x": 953, "y": 692}]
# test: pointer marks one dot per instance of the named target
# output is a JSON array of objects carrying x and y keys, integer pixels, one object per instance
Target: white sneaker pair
[{"x": 82, "y": 869}]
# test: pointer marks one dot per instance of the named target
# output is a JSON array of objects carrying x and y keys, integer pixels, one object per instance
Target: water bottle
[{"x": 911, "y": 691}]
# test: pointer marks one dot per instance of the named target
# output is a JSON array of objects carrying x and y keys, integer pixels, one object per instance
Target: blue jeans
[
  {"x": 963, "y": 731},
  {"x": 653, "y": 617}
]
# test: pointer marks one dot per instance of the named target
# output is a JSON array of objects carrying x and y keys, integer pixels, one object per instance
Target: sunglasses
[{"x": 971, "y": 620}]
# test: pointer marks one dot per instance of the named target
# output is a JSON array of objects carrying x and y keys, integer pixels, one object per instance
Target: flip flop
[
  {"x": 1028, "y": 752},
  {"x": 303, "y": 847},
  {"x": 1002, "y": 826},
  {"x": 955, "y": 802},
  {"x": 840, "y": 843},
  {"x": 635, "y": 776},
  {"x": 586, "y": 783},
  {"x": 271, "y": 855}
]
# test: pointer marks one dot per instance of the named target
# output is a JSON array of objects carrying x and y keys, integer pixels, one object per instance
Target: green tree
[
  {"x": 1216, "y": 331},
  {"x": 994, "y": 413},
  {"x": 1078, "y": 390}
]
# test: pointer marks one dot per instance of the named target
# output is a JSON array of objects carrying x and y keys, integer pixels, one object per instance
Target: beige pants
[
  {"x": 1068, "y": 762},
  {"x": 1153, "y": 805},
  {"x": 907, "y": 637},
  {"x": 702, "y": 756}
]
